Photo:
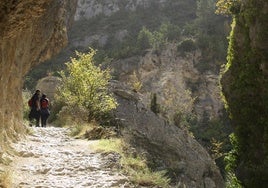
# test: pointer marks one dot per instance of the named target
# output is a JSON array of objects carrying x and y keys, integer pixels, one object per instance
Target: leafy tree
[
  {"x": 211, "y": 34},
  {"x": 144, "y": 39},
  {"x": 227, "y": 7},
  {"x": 86, "y": 85},
  {"x": 170, "y": 31},
  {"x": 187, "y": 45}
]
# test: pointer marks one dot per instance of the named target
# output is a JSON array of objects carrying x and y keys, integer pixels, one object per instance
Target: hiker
[
  {"x": 34, "y": 104},
  {"x": 44, "y": 104}
]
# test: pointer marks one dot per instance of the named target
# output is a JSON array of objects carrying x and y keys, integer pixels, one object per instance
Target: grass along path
[{"x": 51, "y": 158}]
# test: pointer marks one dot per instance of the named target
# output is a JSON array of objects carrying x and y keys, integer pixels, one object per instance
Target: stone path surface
[{"x": 51, "y": 159}]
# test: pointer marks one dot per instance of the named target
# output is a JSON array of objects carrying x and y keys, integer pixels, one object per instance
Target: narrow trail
[{"x": 50, "y": 158}]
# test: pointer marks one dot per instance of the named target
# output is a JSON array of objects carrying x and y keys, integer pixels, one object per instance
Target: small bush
[
  {"x": 26, "y": 95},
  {"x": 155, "y": 107},
  {"x": 135, "y": 167},
  {"x": 187, "y": 45},
  {"x": 76, "y": 130},
  {"x": 85, "y": 86}
]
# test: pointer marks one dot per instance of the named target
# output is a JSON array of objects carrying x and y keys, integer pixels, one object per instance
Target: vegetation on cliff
[
  {"x": 244, "y": 85},
  {"x": 147, "y": 27}
]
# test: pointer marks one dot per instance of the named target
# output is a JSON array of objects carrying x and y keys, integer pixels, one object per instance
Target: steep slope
[
  {"x": 175, "y": 79},
  {"x": 166, "y": 146}
]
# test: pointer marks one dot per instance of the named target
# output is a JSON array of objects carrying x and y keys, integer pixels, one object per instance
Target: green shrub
[
  {"x": 154, "y": 105},
  {"x": 26, "y": 95},
  {"x": 144, "y": 39},
  {"x": 187, "y": 45},
  {"x": 86, "y": 85},
  {"x": 135, "y": 167},
  {"x": 231, "y": 163}
]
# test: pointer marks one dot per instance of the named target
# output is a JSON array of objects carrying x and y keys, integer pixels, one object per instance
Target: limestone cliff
[
  {"x": 30, "y": 32},
  {"x": 174, "y": 78}
]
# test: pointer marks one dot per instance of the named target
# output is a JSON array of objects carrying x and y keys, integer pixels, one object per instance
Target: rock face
[
  {"x": 166, "y": 146},
  {"x": 179, "y": 86},
  {"x": 87, "y": 9},
  {"x": 30, "y": 32},
  {"x": 48, "y": 85}
]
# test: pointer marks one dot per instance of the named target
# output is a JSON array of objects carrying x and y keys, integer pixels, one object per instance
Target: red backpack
[
  {"x": 44, "y": 103},
  {"x": 30, "y": 102}
]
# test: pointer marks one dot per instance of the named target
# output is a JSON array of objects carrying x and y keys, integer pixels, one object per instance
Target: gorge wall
[
  {"x": 173, "y": 77},
  {"x": 30, "y": 32},
  {"x": 245, "y": 88},
  {"x": 176, "y": 81}
]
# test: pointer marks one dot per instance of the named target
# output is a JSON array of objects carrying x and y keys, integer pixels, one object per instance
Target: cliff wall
[
  {"x": 176, "y": 81},
  {"x": 245, "y": 88},
  {"x": 30, "y": 32}
]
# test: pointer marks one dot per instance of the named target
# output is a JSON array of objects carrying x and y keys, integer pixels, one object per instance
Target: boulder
[{"x": 166, "y": 146}]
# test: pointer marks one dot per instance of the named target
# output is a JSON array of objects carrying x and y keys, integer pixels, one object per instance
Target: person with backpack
[
  {"x": 44, "y": 104},
  {"x": 34, "y": 104}
]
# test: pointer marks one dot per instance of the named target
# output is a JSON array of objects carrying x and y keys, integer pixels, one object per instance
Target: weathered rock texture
[
  {"x": 30, "y": 32},
  {"x": 245, "y": 86},
  {"x": 165, "y": 145},
  {"x": 179, "y": 86}
]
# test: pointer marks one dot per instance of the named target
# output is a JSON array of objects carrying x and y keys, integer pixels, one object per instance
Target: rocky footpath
[{"x": 50, "y": 158}]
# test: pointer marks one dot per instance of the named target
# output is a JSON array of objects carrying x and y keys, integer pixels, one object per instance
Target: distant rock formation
[
  {"x": 175, "y": 80},
  {"x": 30, "y": 32},
  {"x": 166, "y": 146},
  {"x": 48, "y": 85},
  {"x": 87, "y": 9}
]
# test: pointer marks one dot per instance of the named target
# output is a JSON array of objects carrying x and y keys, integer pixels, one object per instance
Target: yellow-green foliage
[
  {"x": 135, "y": 167},
  {"x": 228, "y": 7},
  {"x": 109, "y": 145},
  {"x": 135, "y": 82},
  {"x": 76, "y": 129},
  {"x": 86, "y": 85},
  {"x": 26, "y": 95}
]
